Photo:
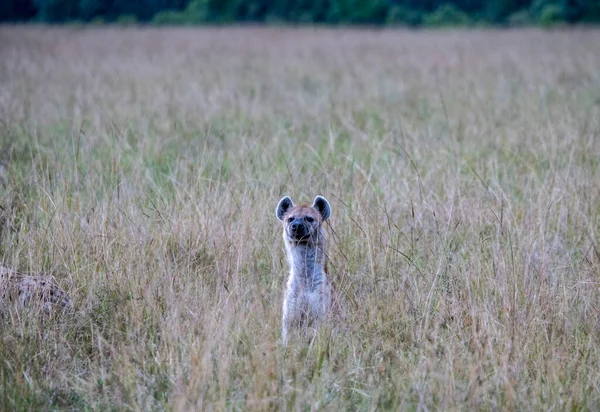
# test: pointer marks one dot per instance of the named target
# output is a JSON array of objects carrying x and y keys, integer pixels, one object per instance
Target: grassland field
[{"x": 141, "y": 168}]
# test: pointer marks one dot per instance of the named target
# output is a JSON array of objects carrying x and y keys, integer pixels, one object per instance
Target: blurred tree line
[{"x": 375, "y": 12}]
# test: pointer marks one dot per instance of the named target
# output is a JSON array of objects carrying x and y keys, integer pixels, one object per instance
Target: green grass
[{"x": 141, "y": 167}]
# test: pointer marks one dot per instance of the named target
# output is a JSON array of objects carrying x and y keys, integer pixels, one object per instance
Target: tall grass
[{"x": 141, "y": 168}]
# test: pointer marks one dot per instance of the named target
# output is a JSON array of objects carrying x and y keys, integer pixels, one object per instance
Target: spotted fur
[{"x": 26, "y": 290}]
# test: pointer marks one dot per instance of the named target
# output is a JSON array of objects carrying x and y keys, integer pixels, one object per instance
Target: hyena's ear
[
  {"x": 322, "y": 205},
  {"x": 283, "y": 206}
]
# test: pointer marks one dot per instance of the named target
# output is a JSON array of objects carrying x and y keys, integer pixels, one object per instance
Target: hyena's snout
[{"x": 299, "y": 230}]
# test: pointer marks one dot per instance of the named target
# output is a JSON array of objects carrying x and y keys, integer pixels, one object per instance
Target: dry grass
[{"x": 141, "y": 168}]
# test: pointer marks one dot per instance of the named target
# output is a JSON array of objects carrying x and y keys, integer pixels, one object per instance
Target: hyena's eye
[
  {"x": 310, "y": 219},
  {"x": 290, "y": 219}
]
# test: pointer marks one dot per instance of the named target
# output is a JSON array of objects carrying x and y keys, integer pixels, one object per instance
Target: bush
[
  {"x": 169, "y": 18},
  {"x": 447, "y": 15},
  {"x": 88, "y": 9},
  {"x": 195, "y": 13},
  {"x": 76, "y": 24},
  {"x": 519, "y": 18},
  {"x": 402, "y": 15},
  {"x": 97, "y": 21},
  {"x": 550, "y": 15},
  {"x": 126, "y": 20}
]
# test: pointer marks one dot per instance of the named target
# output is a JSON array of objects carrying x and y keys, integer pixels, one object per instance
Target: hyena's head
[{"x": 302, "y": 223}]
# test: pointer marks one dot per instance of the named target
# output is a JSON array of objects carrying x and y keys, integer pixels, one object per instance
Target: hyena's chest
[{"x": 307, "y": 305}]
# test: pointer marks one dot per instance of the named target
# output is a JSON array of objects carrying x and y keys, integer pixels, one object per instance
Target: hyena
[
  {"x": 308, "y": 294},
  {"x": 26, "y": 290}
]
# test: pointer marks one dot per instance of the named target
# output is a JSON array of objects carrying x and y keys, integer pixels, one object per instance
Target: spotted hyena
[
  {"x": 308, "y": 294},
  {"x": 26, "y": 290}
]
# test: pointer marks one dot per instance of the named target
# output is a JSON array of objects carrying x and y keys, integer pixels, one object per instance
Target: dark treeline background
[{"x": 406, "y": 12}]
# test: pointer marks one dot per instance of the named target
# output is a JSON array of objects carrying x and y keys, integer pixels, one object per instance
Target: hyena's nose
[{"x": 298, "y": 228}]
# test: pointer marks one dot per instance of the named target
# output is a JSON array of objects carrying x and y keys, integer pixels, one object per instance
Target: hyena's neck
[{"x": 307, "y": 264}]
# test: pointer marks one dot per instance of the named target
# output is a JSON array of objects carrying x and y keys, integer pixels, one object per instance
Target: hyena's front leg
[
  {"x": 284, "y": 322},
  {"x": 289, "y": 302},
  {"x": 286, "y": 326}
]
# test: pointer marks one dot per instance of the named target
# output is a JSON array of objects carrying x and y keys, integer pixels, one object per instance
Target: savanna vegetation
[
  {"x": 431, "y": 13},
  {"x": 141, "y": 168}
]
